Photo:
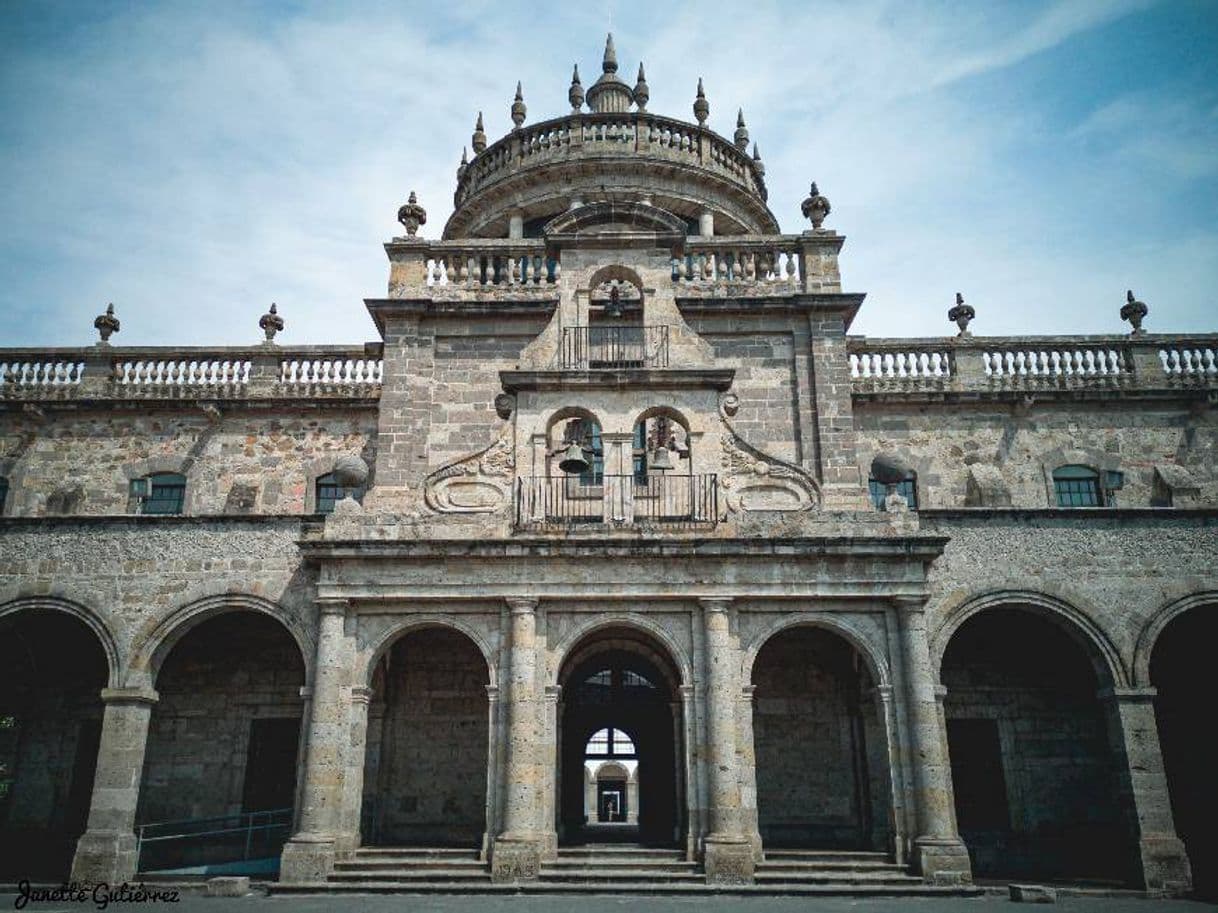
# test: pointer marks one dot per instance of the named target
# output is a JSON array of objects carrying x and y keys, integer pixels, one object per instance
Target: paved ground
[{"x": 609, "y": 904}]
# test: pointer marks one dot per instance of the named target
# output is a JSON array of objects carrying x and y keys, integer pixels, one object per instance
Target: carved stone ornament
[
  {"x": 106, "y": 324},
  {"x": 961, "y": 314},
  {"x": 271, "y": 323},
  {"x": 476, "y": 484},
  {"x": 729, "y": 402},
  {"x": 752, "y": 480},
  {"x": 815, "y": 207},
  {"x": 1135, "y": 312},
  {"x": 412, "y": 215},
  {"x": 505, "y": 403}
]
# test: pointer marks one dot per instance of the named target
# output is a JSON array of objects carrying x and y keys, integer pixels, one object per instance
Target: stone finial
[
  {"x": 1135, "y": 312},
  {"x": 741, "y": 136},
  {"x": 412, "y": 215},
  {"x": 518, "y": 108},
  {"x": 271, "y": 323},
  {"x": 961, "y": 314},
  {"x": 701, "y": 105},
  {"x": 758, "y": 164},
  {"x": 609, "y": 63},
  {"x": 105, "y": 324},
  {"x": 641, "y": 92},
  {"x": 575, "y": 94},
  {"x": 478, "y": 140},
  {"x": 816, "y": 207},
  {"x": 464, "y": 163}
]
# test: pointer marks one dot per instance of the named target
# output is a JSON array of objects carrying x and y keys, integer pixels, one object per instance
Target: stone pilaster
[
  {"x": 553, "y": 786},
  {"x": 727, "y": 855},
  {"x": 107, "y": 850},
  {"x": 746, "y": 760},
  {"x": 842, "y": 486},
  {"x": 938, "y": 852},
  {"x": 353, "y": 784},
  {"x": 695, "y": 826},
  {"x": 517, "y": 851},
  {"x": 1132, "y": 728},
  {"x": 309, "y": 855}
]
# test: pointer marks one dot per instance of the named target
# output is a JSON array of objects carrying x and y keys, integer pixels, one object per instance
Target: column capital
[
  {"x": 306, "y": 692},
  {"x": 747, "y": 692},
  {"x": 712, "y": 604},
  {"x": 129, "y": 696},
  {"x": 617, "y": 437},
  {"x": 492, "y": 693},
  {"x": 687, "y": 693},
  {"x": 361, "y": 694},
  {"x": 884, "y": 692},
  {"x": 940, "y": 693},
  {"x": 1127, "y": 695},
  {"x": 522, "y": 605},
  {"x": 332, "y": 605},
  {"x": 553, "y": 693},
  {"x": 910, "y": 602}
]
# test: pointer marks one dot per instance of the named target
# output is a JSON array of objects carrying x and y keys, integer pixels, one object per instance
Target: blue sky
[{"x": 194, "y": 162}]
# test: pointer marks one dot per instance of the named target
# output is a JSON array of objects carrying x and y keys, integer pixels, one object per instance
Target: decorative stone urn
[
  {"x": 1135, "y": 312},
  {"x": 271, "y": 323},
  {"x": 815, "y": 207},
  {"x": 106, "y": 324},
  {"x": 412, "y": 215},
  {"x": 961, "y": 314}
]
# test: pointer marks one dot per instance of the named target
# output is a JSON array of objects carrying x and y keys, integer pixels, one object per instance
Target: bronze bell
[
  {"x": 573, "y": 461},
  {"x": 662, "y": 460}
]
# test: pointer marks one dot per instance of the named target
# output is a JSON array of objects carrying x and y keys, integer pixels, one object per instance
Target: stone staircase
[{"x": 619, "y": 869}]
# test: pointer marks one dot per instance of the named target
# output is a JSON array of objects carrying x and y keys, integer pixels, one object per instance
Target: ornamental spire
[
  {"x": 575, "y": 94},
  {"x": 518, "y": 108},
  {"x": 609, "y": 64},
  {"x": 742, "y": 132},
  {"x": 701, "y": 105},
  {"x": 464, "y": 164},
  {"x": 478, "y": 140},
  {"x": 641, "y": 92},
  {"x": 758, "y": 164}
]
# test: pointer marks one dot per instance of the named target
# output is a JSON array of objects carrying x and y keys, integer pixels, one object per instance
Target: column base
[
  {"x": 1165, "y": 865},
  {"x": 109, "y": 856},
  {"x": 515, "y": 859},
  {"x": 942, "y": 860},
  {"x": 728, "y": 861},
  {"x": 307, "y": 859}
]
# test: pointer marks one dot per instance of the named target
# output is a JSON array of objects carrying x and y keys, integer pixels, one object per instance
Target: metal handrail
[
  {"x": 609, "y": 346},
  {"x": 247, "y": 823}
]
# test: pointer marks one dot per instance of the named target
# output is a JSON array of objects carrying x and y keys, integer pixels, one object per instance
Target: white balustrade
[
  {"x": 1181, "y": 360},
  {"x": 916, "y": 365},
  {"x": 158, "y": 373},
  {"x": 39, "y": 373},
  {"x": 1056, "y": 361}
]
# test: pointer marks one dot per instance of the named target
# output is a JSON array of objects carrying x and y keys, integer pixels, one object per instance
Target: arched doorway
[
  {"x": 820, "y": 745},
  {"x": 223, "y": 745},
  {"x": 52, "y": 671},
  {"x": 618, "y": 702},
  {"x": 425, "y": 770},
  {"x": 1034, "y": 772},
  {"x": 1179, "y": 670}
]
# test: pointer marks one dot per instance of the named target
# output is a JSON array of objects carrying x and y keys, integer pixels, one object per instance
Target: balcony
[
  {"x": 571, "y": 502},
  {"x": 608, "y": 347}
]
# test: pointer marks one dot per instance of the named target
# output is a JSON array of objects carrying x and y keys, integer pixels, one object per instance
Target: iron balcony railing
[
  {"x": 162, "y": 845},
  {"x": 572, "y": 501},
  {"x": 613, "y": 346}
]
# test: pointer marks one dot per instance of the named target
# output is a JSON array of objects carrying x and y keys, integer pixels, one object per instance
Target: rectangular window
[
  {"x": 160, "y": 494},
  {"x": 1078, "y": 492},
  {"x": 907, "y": 489}
]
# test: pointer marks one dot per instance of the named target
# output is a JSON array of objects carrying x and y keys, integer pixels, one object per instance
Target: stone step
[
  {"x": 693, "y": 888},
  {"x": 659, "y": 866},
  {"x": 416, "y": 852},
  {"x": 612, "y": 875},
  {"x": 410, "y": 875},
  {"x": 620, "y": 849},
  {"x": 397, "y": 865},
  {"x": 845, "y": 867},
  {"x": 815, "y": 876},
  {"x": 826, "y": 856}
]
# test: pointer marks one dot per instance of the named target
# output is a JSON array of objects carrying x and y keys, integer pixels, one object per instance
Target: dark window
[
  {"x": 160, "y": 493},
  {"x": 908, "y": 488},
  {"x": 640, "y": 453},
  {"x": 588, "y": 434},
  {"x": 1077, "y": 486},
  {"x": 3, "y": 493},
  {"x": 329, "y": 493},
  {"x": 610, "y": 743}
]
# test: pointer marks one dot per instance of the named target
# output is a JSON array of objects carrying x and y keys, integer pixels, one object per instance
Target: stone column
[
  {"x": 309, "y": 856},
  {"x": 693, "y": 782},
  {"x": 727, "y": 854},
  {"x": 589, "y": 795},
  {"x": 632, "y": 798},
  {"x": 517, "y": 851},
  {"x": 896, "y": 805},
  {"x": 107, "y": 850},
  {"x": 353, "y": 787},
  {"x": 1132, "y": 730},
  {"x": 746, "y": 756},
  {"x": 552, "y": 793},
  {"x": 618, "y": 489},
  {"x": 938, "y": 852},
  {"x": 494, "y": 758},
  {"x": 706, "y": 223}
]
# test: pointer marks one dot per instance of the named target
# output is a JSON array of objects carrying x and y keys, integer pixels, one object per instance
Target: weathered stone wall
[
  {"x": 426, "y": 772},
  {"x": 813, "y": 734},
  {"x": 274, "y": 457},
  {"x": 941, "y": 441},
  {"x": 765, "y": 366},
  {"x": 219, "y": 677}
]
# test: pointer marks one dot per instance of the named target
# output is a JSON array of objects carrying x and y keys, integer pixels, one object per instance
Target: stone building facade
[{"x": 615, "y": 461}]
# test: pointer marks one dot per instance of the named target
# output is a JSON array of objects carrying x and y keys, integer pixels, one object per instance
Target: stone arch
[
  {"x": 612, "y": 769},
  {"x": 877, "y": 662},
  {"x": 616, "y": 272},
  {"x": 1077, "y": 624},
  {"x": 156, "y": 641},
  {"x": 385, "y": 641},
  {"x": 1149, "y": 635},
  {"x": 639, "y": 216},
  {"x": 571, "y": 650},
  {"x": 91, "y": 619}
]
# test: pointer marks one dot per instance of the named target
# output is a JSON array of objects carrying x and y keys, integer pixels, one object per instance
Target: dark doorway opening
[
  {"x": 620, "y": 683},
  {"x": 270, "y": 766},
  {"x": 1179, "y": 670}
]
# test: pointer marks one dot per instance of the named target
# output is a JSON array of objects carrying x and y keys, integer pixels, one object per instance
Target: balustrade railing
[
  {"x": 527, "y": 264},
  {"x": 979, "y": 363},
  {"x": 572, "y": 501},
  {"x": 611, "y": 346},
  {"x": 166, "y": 373},
  {"x": 774, "y": 260}
]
